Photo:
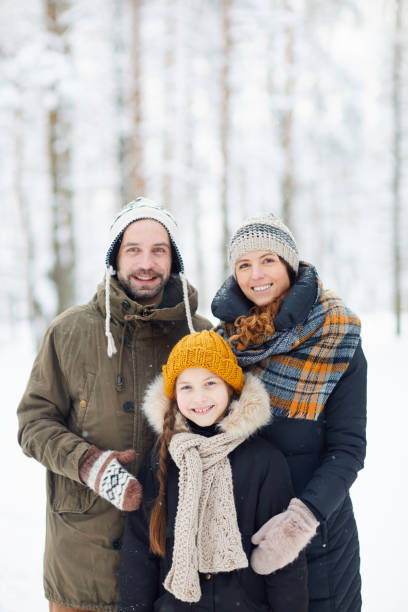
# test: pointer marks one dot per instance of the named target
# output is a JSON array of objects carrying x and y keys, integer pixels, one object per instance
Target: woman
[{"x": 304, "y": 344}]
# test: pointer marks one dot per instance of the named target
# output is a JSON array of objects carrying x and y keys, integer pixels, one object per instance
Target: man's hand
[
  {"x": 104, "y": 473},
  {"x": 283, "y": 537}
]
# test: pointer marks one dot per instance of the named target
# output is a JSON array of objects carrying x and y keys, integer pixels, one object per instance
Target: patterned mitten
[
  {"x": 104, "y": 473},
  {"x": 283, "y": 537}
]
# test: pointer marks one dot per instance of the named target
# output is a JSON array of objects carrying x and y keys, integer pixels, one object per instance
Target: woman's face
[{"x": 261, "y": 276}]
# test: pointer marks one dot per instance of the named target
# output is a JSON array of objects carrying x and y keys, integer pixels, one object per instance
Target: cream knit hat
[
  {"x": 143, "y": 208},
  {"x": 265, "y": 232}
]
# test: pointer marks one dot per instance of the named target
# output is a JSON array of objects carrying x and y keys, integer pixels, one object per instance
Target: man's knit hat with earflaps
[{"x": 142, "y": 208}]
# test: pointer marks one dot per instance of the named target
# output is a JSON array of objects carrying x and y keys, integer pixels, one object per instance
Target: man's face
[{"x": 144, "y": 261}]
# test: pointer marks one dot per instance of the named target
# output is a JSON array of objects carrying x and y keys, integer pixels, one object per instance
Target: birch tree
[
  {"x": 35, "y": 312},
  {"x": 287, "y": 180},
  {"x": 118, "y": 56},
  {"x": 135, "y": 181},
  {"x": 169, "y": 63},
  {"x": 59, "y": 154},
  {"x": 225, "y": 128},
  {"x": 192, "y": 199},
  {"x": 397, "y": 62}
]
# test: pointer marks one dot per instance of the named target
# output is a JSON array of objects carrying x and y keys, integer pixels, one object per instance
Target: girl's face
[
  {"x": 202, "y": 396},
  {"x": 261, "y": 276}
]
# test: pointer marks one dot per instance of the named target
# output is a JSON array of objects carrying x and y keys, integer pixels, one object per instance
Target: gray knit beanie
[
  {"x": 266, "y": 232},
  {"x": 138, "y": 209}
]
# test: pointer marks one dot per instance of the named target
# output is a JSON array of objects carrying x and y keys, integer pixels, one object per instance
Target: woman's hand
[{"x": 283, "y": 537}]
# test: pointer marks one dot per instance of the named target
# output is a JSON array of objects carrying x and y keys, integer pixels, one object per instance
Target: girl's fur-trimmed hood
[{"x": 246, "y": 414}]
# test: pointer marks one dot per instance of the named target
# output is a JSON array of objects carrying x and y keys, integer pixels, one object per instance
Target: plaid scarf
[{"x": 301, "y": 366}]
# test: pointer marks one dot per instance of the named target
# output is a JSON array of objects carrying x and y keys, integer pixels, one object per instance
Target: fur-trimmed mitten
[
  {"x": 104, "y": 473},
  {"x": 283, "y": 537}
]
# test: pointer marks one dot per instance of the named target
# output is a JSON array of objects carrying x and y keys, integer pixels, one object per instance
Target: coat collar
[
  {"x": 245, "y": 415},
  {"x": 172, "y": 307},
  {"x": 230, "y": 303}
]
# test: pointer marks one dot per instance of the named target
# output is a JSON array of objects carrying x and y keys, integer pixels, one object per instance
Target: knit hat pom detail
[{"x": 205, "y": 349}]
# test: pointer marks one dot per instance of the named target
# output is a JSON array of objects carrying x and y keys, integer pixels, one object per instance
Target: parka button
[
  {"x": 208, "y": 576},
  {"x": 128, "y": 406},
  {"x": 119, "y": 380},
  {"x": 125, "y": 305},
  {"x": 116, "y": 545}
]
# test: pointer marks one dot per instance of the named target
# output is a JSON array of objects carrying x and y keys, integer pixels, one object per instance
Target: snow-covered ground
[{"x": 378, "y": 494}]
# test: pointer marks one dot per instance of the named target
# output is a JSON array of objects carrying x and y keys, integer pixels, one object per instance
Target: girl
[
  {"x": 304, "y": 344},
  {"x": 209, "y": 484}
]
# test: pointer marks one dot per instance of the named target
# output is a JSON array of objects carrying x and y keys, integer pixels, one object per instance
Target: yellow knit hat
[{"x": 205, "y": 349}]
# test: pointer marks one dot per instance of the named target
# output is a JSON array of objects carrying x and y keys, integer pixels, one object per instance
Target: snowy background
[{"x": 218, "y": 109}]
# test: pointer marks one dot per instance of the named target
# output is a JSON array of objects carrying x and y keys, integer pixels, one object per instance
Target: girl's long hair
[
  {"x": 259, "y": 324},
  {"x": 158, "y": 526}
]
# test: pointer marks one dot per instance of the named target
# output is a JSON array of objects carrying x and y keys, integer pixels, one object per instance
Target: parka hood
[{"x": 244, "y": 416}]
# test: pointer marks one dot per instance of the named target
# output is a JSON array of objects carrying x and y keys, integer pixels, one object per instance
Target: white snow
[{"x": 378, "y": 494}]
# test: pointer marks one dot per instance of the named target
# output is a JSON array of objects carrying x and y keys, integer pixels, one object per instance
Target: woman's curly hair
[{"x": 257, "y": 326}]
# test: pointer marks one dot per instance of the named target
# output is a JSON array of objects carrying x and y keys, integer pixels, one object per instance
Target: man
[{"x": 80, "y": 414}]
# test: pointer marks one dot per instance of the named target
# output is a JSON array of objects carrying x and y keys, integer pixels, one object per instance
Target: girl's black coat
[
  {"x": 324, "y": 457},
  {"x": 262, "y": 488}
]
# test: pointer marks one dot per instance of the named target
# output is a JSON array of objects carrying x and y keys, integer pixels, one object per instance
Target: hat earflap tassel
[
  {"x": 187, "y": 303},
  {"x": 111, "y": 350}
]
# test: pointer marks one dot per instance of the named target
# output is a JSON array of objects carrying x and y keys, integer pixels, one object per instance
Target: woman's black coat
[
  {"x": 262, "y": 488},
  {"x": 324, "y": 457}
]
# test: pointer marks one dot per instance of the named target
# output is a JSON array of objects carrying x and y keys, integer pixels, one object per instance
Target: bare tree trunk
[
  {"x": 191, "y": 191},
  {"x": 59, "y": 152},
  {"x": 36, "y": 316},
  {"x": 136, "y": 182},
  {"x": 118, "y": 52},
  {"x": 287, "y": 121},
  {"x": 225, "y": 125},
  {"x": 169, "y": 73},
  {"x": 397, "y": 162}
]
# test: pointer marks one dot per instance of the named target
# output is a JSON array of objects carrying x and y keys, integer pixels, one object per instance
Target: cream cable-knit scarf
[{"x": 206, "y": 538}]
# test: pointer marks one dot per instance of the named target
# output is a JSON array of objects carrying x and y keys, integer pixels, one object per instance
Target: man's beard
[{"x": 142, "y": 293}]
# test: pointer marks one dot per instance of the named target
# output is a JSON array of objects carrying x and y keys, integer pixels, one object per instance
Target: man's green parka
[{"x": 78, "y": 396}]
